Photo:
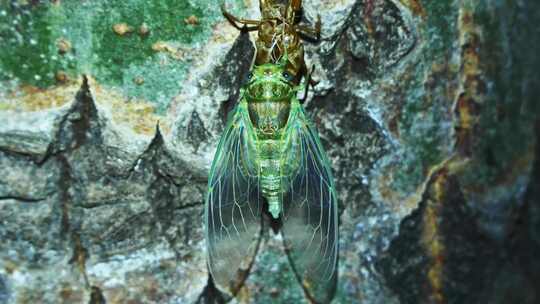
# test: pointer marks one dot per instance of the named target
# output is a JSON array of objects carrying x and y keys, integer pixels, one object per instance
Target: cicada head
[{"x": 270, "y": 82}]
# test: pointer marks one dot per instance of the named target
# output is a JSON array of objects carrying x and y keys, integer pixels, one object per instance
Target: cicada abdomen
[{"x": 270, "y": 161}]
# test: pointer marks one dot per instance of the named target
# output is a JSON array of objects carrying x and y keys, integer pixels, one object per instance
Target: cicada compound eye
[{"x": 288, "y": 76}]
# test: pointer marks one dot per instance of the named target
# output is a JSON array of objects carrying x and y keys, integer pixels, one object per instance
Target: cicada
[{"x": 270, "y": 163}]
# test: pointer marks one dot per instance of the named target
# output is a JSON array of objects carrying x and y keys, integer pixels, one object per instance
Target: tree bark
[{"x": 110, "y": 114}]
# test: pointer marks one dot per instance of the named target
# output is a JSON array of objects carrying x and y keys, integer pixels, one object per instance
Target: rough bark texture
[{"x": 427, "y": 110}]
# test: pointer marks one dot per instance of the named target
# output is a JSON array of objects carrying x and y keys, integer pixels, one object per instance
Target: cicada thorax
[
  {"x": 268, "y": 95},
  {"x": 269, "y": 118}
]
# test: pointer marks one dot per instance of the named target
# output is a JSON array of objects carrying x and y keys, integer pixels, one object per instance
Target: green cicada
[{"x": 270, "y": 161}]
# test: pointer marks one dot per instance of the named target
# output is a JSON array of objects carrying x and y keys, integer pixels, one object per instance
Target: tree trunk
[{"x": 428, "y": 111}]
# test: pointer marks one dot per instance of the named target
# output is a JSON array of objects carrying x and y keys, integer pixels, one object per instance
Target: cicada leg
[
  {"x": 309, "y": 82},
  {"x": 235, "y": 21},
  {"x": 296, "y": 5},
  {"x": 293, "y": 11},
  {"x": 311, "y": 33}
]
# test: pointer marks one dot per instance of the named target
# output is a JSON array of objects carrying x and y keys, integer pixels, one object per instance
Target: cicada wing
[
  {"x": 233, "y": 204},
  {"x": 310, "y": 222}
]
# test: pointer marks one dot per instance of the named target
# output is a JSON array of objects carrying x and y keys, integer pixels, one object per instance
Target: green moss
[
  {"x": 29, "y": 36},
  {"x": 115, "y": 53},
  {"x": 28, "y": 51},
  {"x": 71, "y": 20},
  {"x": 121, "y": 59},
  {"x": 161, "y": 77}
]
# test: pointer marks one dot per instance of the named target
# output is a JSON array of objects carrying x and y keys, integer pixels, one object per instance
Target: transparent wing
[
  {"x": 310, "y": 224},
  {"x": 233, "y": 204}
]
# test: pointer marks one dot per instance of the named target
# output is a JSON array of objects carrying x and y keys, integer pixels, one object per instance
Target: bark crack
[{"x": 23, "y": 199}]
